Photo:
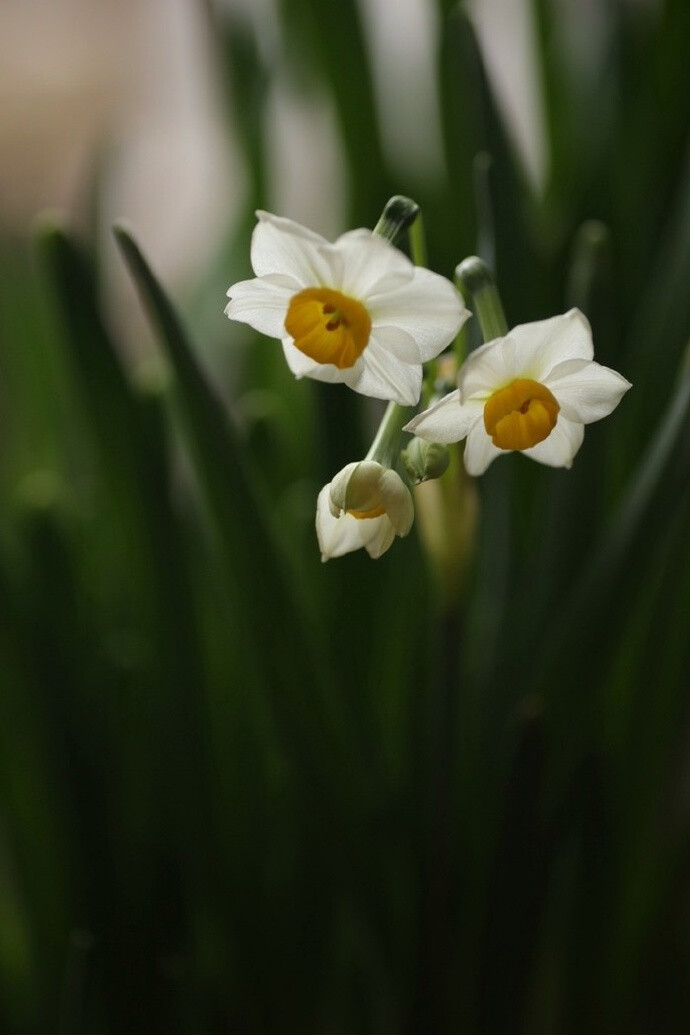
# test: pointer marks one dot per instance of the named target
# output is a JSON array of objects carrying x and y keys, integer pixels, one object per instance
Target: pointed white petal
[
  {"x": 447, "y": 420},
  {"x": 289, "y": 226},
  {"x": 281, "y": 246},
  {"x": 383, "y": 376},
  {"x": 586, "y": 391},
  {"x": 559, "y": 449},
  {"x": 377, "y": 535},
  {"x": 336, "y": 535},
  {"x": 480, "y": 450},
  {"x": 545, "y": 343},
  {"x": 489, "y": 367},
  {"x": 370, "y": 265},
  {"x": 429, "y": 309},
  {"x": 262, "y": 303}
]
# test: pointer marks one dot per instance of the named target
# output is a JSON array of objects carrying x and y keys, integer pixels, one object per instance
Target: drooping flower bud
[{"x": 366, "y": 505}]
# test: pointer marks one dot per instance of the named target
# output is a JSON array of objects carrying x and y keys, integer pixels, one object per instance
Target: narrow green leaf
[
  {"x": 286, "y": 653},
  {"x": 312, "y": 29},
  {"x": 657, "y": 488}
]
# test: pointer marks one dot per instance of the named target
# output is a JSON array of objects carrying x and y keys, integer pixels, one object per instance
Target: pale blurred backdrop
[{"x": 137, "y": 84}]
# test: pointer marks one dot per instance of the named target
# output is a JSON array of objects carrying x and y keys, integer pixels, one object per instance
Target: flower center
[
  {"x": 520, "y": 415},
  {"x": 328, "y": 326},
  {"x": 363, "y": 514}
]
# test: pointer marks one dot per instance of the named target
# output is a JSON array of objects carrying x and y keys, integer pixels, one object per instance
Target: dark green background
[{"x": 242, "y": 791}]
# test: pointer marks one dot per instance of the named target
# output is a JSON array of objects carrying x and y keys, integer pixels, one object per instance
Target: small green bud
[
  {"x": 425, "y": 460},
  {"x": 475, "y": 280},
  {"x": 398, "y": 215}
]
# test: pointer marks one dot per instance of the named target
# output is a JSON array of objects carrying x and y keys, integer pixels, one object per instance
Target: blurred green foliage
[{"x": 242, "y": 791}]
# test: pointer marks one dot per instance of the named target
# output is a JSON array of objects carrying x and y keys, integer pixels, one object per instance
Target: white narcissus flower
[
  {"x": 356, "y": 311},
  {"x": 533, "y": 391},
  {"x": 366, "y": 505}
]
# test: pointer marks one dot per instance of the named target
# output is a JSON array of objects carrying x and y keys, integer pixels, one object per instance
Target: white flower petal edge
[
  {"x": 261, "y": 303},
  {"x": 384, "y": 375},
  {"x": 586, "y": 392},
  {"x": 557, "y": 355},
  {"x": 479, "y": 450},
  {"x": 448, "y": 420},
  {"x": 414, "y": 313},
  {"x": 337, "y": 536},
  {"x": 528, "y": 350},
  {"x": 425, "y": 308},
  {"x": 343, "y": 523},
  {"x": 559, "y": 449},
  {"x": 553, "y": 341},
  {"x": 280, "y": 245}
]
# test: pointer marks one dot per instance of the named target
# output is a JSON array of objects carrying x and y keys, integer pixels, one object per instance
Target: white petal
[
  {"x": 447, "y": 420},
  {"x": 289, "y": 226},
  {"x": 480, "y": 450},
  {"x": 586, "y": 391},
  {"x": 262, "y": 303},
  {"x": 545, "y": 343},
  {"x": 377, "y": 535},
  {"x": 337, "y": 490},
  {"x": 383, "y": 376},
  {"x": 357, "y": 486},
  {"x": 559, "y": 449},
  {"x": 336, "y": 535},
  {"x": 281, "y": 246},
  {"x": 397, "y": 499},
  {"x": 398, "y": 342},
  {"x": 429, "y": 308},
  {"x": 305, "y": 366},
  {"x": 489, "y": 367},
  {"x": 371, "y": 265}
]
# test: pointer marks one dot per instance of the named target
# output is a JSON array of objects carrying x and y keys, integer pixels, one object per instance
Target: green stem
[
  {"x": 417, "y": 240},
  {"x": 385, "y": 448},
  {"x": 399, "y": 214},
  {"x": 474, "y": 278}
]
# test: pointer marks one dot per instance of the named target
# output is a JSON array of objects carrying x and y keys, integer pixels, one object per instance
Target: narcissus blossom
[
  {"x": 366, "y": 505},
  {"x": 356, "y": 311},
  {"x": 533, "y": 391}
]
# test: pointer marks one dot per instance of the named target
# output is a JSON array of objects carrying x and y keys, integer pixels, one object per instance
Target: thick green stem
[{"x": 385, "y": 448}]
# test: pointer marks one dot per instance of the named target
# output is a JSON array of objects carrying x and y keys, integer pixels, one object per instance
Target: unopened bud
[{"x": 425, "y": 460}]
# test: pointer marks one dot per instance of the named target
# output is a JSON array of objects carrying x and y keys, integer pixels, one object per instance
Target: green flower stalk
[{"x": 369, "y": 503}]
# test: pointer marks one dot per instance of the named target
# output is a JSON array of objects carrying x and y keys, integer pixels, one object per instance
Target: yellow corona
[
  {"x": 520, "y": 415},
  {"x": 328, "y": 326}
]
